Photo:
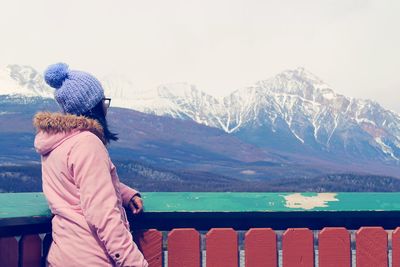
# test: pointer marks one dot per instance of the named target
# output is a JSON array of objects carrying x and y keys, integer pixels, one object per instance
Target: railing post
[
  {"x": 31, "y": 250},
  {"x": 396, "y": 247},
  {"x": 222, "y": 248},
  {"x": 9, "y": 251},
  {"x": 150, "y": 243},
  {"x": 334, "y": 247},
  {"x": 371, "y": 247},
  {"x": 298, "y": 248},
  {"x": 184, "y": 248},
  {"x": 260, "y": 248}
]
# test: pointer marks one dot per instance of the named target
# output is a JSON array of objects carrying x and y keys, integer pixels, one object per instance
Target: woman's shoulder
[
  {"x": 86, "y": 139},
  {"x": 86, "y": 145}
]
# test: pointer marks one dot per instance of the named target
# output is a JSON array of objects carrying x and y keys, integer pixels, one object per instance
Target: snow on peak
[
  {"x": 23, "y": 80},
  {"x": 118, "y": 86},
  {"x": 182, "y": 89},
  {"x": 297, "y": 82}
]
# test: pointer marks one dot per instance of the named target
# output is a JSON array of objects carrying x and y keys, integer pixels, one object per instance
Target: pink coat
[{"x": 81, "y": 185}]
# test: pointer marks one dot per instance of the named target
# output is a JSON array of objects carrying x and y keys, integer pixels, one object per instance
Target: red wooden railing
[{"x": 260, "y": 247}]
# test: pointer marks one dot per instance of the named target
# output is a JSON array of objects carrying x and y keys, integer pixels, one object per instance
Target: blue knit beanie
[{"x": 76, "y": 91}]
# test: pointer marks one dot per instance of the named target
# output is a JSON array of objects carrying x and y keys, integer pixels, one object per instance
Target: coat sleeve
[
  {"x": 127, "y": 193},
  {"x": 89, "y": 162}
]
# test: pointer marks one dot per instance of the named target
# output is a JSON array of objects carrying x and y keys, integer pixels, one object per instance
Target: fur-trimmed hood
[{"x": 52, "y": 128}]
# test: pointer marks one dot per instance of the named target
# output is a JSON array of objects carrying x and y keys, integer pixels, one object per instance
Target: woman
[{"x": 80, "y": 182}]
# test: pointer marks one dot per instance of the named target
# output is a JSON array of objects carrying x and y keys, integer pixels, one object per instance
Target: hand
[{"x": 136, "y": 204}]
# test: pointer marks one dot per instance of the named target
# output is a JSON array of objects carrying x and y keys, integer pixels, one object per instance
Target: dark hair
[{"x": 97, "y": 113}]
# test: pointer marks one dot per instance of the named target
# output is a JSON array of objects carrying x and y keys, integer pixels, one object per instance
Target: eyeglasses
[{"x": 107, "y": 102}]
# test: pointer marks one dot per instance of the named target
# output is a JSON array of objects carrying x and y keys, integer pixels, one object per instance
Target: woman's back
[{"x": 84, "y": 193}]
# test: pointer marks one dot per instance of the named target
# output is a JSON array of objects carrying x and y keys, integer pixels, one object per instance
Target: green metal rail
[{"x": 240, "y": 210}]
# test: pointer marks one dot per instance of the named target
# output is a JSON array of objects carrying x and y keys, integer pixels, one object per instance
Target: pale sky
[{"x": 217, "y": 45}]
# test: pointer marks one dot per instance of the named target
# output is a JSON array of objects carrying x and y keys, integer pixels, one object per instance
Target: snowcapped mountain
[
  {"x": 293, "y": 111},
  {"x": 23, "y": 80}
]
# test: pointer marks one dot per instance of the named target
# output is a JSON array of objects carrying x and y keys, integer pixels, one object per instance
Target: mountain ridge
[{"x": 293, "y": 111}]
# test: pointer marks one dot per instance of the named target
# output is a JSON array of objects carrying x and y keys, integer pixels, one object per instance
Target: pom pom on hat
[
  {"x": 56, "y": 74},
  {"x": 76, "y": 91}
]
